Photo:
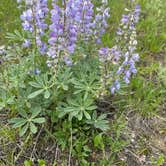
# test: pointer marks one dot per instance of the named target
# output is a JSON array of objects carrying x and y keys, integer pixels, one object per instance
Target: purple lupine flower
[
  {"x": 33, "y": 20},
  {"x": 43, "y": 48},
  {"x": 130, "y": 57},
  {"x": 87, "y": 18},
  {"x": 115, "y": 87},
  {"x": 73, "y": 21},
  {"x": 112, "y": 90},
  {"x": 27, "y": 15},
  {"x": 68, "y": 61},
  {"x": 120, "y": 32},
  {"x": 26, "y": 43},
  {"x": 125, "y": 54},
  {"x": 36, "y": 71},
  {"x": 41, "y": 10},
  {"x": 100, "y": 22},
  {"x": 103, "y": 54},
  {"x": 126, "y": 79},
  {"x": 137, "y": 13},
  {"x": 52, "y": 52},
  {"x": 125, "y": 19},
  {"x": 110, "y": 55},
  {"x": 117, "y": 84},
  {"x": 103, "y": 51},
  {"x": 68, "y": 22},
  {"x": 135, "y": 56},
  {"x": 120, "y": 70}
]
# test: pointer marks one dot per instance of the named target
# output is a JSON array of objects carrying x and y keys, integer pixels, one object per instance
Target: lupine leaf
[
  {"x": 46, "y": 94},
  {"x": 23, "y": 113},
  {"x": 36, "y": 93},
  {"x": 35, "y": 112},
  {"x": 20, "y": 123},
  {"x": 15, "y": 120},
  {"x": 33, "y": 128},
  {"x": 35, "y": 84},
  {"x": 87, "y": 115},
  {"x": 39, "y": 120},
  {"x": 23, "y": 130}
]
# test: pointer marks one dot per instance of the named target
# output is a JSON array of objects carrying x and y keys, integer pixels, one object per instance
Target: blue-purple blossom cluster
[
  {"x": 87, "y": 13},
  {"x": 64, "y": 29},
  {"x": 100, "y": 22},
  {"x": 73, "y": 21},
  {"x": 36, "y": 71},
  {"x": 124, "y": 53},
  {"x": 33, "y": 20}
]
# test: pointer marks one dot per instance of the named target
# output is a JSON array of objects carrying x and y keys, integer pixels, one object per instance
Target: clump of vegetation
[{"x": 69, "y": 88}]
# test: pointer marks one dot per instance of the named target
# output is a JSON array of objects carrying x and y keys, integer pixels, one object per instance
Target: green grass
[
  {"x": 152, "y": 26},
  {"x": 9, "y": 18}
]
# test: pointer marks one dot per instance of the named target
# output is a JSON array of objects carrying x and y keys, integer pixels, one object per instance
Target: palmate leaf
[
  {"x": 35, "y": 84},
  {"x": 35, "y": 112},
  {"x": 28, "y": 122},
  {"x": 45, "y": 79},
  {"x": 63, "y": 111},
  {"x": 72, "y": 102},
  {"x": 64, "y": 79},
  {"x": 20, "y": 123},
  {"x": 23, "y": 130},
  {"x": 99, "y": 122},
  {"x": 80, "y": 115},
  {"x": 65, "y": 87},
  {"x": 73, "y": 114},
  {"x": 77, "y": 107},
  {"x": 36, "y": 93},
  {"x": 23, "y": 114},
  {"x": 43, "y": 84},
  {"x": 78, "y": 91},
  {"x": 102, "y": 125},
  {"x": 88, "y": 85},
  {"x": 87, "y": 115},
  {"x": 39, "y": 120},
  {"x": 16, "y": 120},
  {"x": 91, "y": 108},
  {"x": 33, "y": 128}
]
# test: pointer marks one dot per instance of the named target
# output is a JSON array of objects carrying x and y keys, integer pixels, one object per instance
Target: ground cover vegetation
[{"x": 82, "y": 82}]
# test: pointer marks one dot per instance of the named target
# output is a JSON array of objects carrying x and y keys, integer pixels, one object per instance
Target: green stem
[
  {"x": 22, "y": 148},
  {"x": 71, "y": 144}
]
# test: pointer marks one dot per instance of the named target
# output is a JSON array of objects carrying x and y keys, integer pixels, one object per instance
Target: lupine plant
[
  {"x": 62, "y": 68},
  {"x": 123, "y": 54}
]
